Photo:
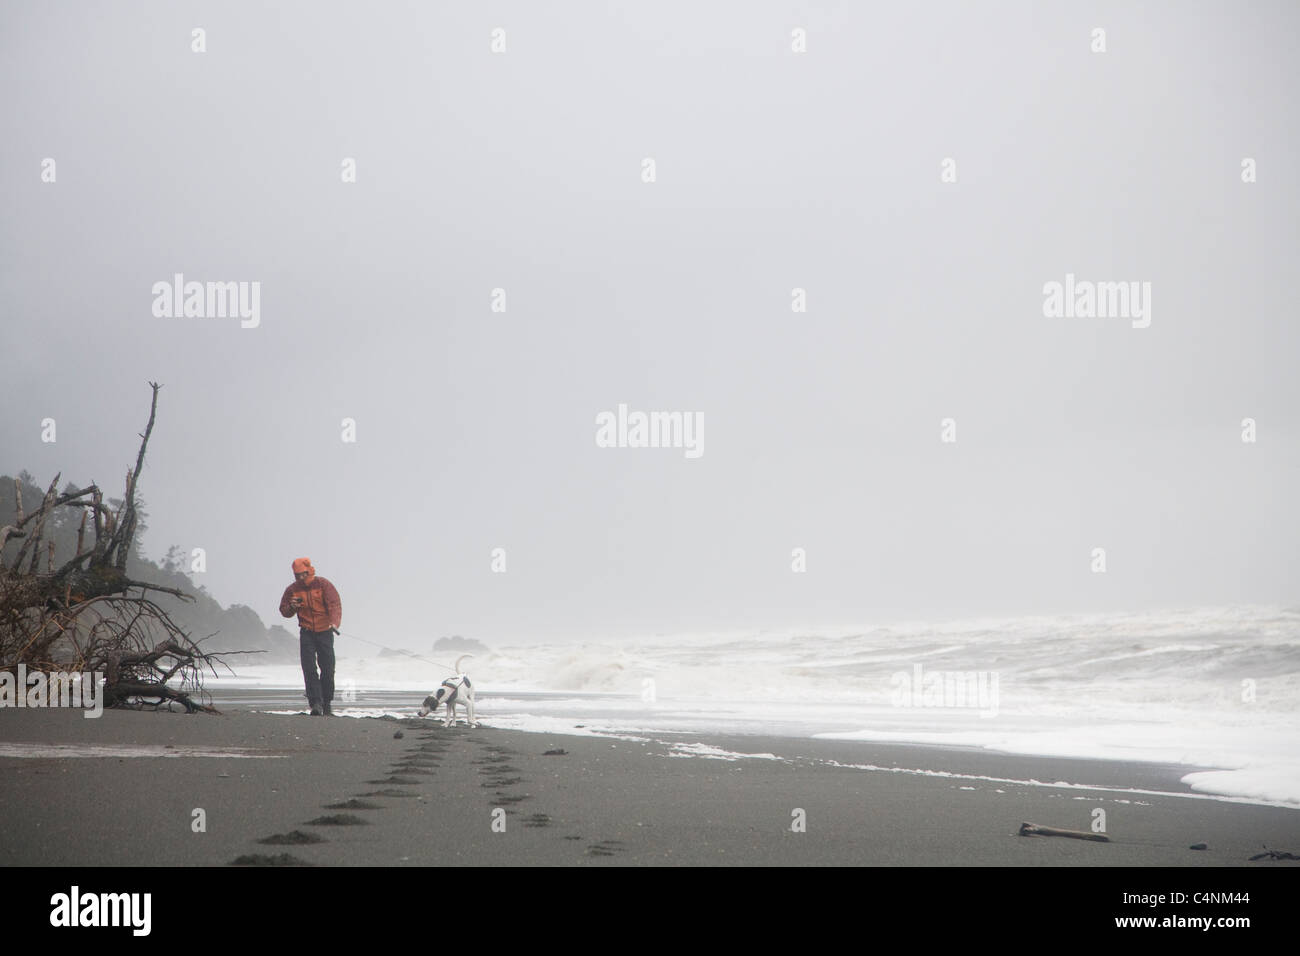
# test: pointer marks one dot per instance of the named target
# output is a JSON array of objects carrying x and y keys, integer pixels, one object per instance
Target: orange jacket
[{"x": 321, "y": 608}]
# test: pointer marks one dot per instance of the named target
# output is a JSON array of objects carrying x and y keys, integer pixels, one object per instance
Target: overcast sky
[{"x": 774, "y": 170}]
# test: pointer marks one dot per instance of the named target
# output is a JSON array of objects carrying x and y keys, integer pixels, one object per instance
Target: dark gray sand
[{"x": 432, "y": 797}]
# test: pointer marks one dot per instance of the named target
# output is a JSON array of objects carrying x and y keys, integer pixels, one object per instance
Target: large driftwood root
[{"x": 86, "y": 614}]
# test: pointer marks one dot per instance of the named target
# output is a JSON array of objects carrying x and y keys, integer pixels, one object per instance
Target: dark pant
[{"x": 314, "y": 646}]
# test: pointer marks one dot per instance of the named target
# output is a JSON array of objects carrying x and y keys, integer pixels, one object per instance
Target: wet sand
[{"x": 495, "y": 797}]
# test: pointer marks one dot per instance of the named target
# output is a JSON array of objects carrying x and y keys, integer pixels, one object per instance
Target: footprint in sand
[
  {"x": 354, "y": 804},
  {"x": 388, "y": 792},
  {"x": 261, "y": 859},
  {"x": 337, "y": 820},
  {"x": 291, "y": 838}
]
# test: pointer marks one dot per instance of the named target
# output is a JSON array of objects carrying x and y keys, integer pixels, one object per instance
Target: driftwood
[
  {"x": 1275, "y": 855},
  {"x": 1034, "y": 829},
  {"x": 82, "y": 615}
]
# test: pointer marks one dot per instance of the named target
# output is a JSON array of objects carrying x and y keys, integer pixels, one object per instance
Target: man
[{"x": 319, "y": 610}]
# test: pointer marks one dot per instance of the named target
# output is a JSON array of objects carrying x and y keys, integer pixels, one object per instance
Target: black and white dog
[{"x": 454, "y": 691}]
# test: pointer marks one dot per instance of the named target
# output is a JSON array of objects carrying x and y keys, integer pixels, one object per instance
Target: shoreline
[{"x": 432, "y": 794}]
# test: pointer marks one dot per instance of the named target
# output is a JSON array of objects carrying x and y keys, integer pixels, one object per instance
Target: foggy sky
[{"x": 775, "y": 170}]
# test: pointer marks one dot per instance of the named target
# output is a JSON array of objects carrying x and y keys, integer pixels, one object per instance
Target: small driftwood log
[
  {"x": 1275, "y": 855},
  {"x": 1034, "y": 829}
]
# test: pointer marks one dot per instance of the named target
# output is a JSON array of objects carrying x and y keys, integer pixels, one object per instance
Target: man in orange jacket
[{"x": 316, "y": 602}]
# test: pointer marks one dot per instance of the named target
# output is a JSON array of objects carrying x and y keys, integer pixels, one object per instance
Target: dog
[{"x": 455, "y": 691}]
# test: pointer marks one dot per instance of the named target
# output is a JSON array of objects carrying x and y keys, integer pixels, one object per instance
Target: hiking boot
[
  {"x": 316, "y": 711},
  {"x": 329, "y": 711}
]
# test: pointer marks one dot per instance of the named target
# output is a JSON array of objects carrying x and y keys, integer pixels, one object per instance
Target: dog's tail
[{"x": 458, "y": 660}]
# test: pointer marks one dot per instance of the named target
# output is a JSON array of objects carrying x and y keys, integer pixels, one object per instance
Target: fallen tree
[{"x": 86, "y": 614}]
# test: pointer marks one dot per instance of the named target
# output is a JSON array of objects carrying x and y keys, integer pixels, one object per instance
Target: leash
[{"x": 398, "y": 650}]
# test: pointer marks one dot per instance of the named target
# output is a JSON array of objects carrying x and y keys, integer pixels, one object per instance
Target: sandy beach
[{"x": 126, "y": 789}]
